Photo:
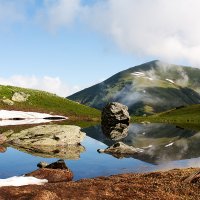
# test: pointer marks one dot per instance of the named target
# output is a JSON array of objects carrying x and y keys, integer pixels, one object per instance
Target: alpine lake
[{"x": 167, "y": 147}]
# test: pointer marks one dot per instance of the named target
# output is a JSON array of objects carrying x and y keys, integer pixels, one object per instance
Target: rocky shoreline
[{"x": 167, "y": 185}]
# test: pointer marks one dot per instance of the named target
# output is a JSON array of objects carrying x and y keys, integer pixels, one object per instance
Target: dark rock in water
[
  {"x": 114, "y": 113},
  {"x": 115, "y": 132},
  {"x": 119, "y": 149},
  {"x": 42, "y": 164},
  {"x": 60, "y": 164},
  {"x": 55, "y": 172}
]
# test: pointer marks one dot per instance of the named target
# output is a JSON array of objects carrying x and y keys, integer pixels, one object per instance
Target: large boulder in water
[
  {"x": 114, "y": 113},
  {"x": 120, "y": 150},
  {"x": 115, "y": 120}
]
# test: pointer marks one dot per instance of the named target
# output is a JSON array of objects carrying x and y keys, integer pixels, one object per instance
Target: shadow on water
[{"x": 161, "y": 142}]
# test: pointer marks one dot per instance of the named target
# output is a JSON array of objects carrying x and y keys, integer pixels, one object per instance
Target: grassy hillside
[
  {"x": 183, "y": 115},
  {"x": 41, "y": 101},
  {"x": 146, "y": 89}
]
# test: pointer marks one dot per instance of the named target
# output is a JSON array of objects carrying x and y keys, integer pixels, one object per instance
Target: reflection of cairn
[{"x": 115, "y": 120}]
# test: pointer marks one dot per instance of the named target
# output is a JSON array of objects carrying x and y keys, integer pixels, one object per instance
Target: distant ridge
[{"x": 146, "y": 89}]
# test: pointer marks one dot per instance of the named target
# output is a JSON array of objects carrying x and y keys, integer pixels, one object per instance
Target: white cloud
[
  {"x": 12, "y": 11},
  {"x": 160, "y": 28},
  {"x": 46, "y": 83},
  {"x": 58, "y": 13}
]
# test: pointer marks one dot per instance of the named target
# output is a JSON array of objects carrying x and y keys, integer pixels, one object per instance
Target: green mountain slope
[
  {"x": 41, "y": 101},
  {"x": 148, "y": 88}
]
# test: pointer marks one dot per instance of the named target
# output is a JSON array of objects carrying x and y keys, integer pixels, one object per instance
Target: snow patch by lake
[
  {"x": 12, "y": 117},
  {"x": 21, "y": 180}
]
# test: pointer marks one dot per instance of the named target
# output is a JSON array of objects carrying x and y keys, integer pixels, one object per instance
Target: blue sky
[{"x": 65, "y": 45}]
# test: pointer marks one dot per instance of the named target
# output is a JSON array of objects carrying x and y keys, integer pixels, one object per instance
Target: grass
[
  {"x": 185, "y": 115},
  {"x": 41, "y": 101}
]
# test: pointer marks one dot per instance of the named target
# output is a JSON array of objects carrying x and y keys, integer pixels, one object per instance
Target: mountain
[
  {"x": 40, "y": 101},
  {"x": 146, "y": 89}
]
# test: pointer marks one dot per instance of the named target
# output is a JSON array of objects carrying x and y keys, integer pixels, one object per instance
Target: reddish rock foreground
[{"x": 167, "y": 185}]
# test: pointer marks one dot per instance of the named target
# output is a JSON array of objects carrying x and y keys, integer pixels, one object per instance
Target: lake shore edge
[{"x": 153, "y": 185}]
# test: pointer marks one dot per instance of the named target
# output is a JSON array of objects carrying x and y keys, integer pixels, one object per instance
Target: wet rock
[
  {"x": 8, "y": 102},
  {"x": 52, "y": 175},
  {"x": 60, "y": 164},
  {"x": 48, "y": 135},
  {"x": 114, "y": 113},
  {"x": 120, "y": 148},
  {"x": 42, "y": 164},
  {"x": 115, "y": 132},
  {"x": 3, "y": 138},
  {"x": 55, "y": 172},
  {"x": 20, "y": 97}
]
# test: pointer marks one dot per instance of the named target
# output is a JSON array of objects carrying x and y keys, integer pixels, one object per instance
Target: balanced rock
[
  {"x": 20, "y": 97},
  {"x": 114, "y": 113}
]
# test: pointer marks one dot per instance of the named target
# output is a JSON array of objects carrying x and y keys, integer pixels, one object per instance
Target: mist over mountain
[{"x": 146, "y": 89}]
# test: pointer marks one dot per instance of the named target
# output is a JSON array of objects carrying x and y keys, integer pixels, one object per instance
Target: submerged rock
[
  {"x": 20, "y": 97},
  {"x": 120, "y": 148},
  {"x": 114, "y": 113}
]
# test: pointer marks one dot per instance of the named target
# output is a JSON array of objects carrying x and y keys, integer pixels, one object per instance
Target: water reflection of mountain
[{"x": 166, "y": 142}]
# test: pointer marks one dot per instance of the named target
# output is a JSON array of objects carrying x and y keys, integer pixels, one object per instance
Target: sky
[{"x": 63, "y": 46}]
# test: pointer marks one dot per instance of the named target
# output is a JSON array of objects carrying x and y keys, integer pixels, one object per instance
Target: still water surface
[{"x": 170, "y": 147}]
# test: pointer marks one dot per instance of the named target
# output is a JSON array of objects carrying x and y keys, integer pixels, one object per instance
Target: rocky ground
[{"x": 167, "y": 185}]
